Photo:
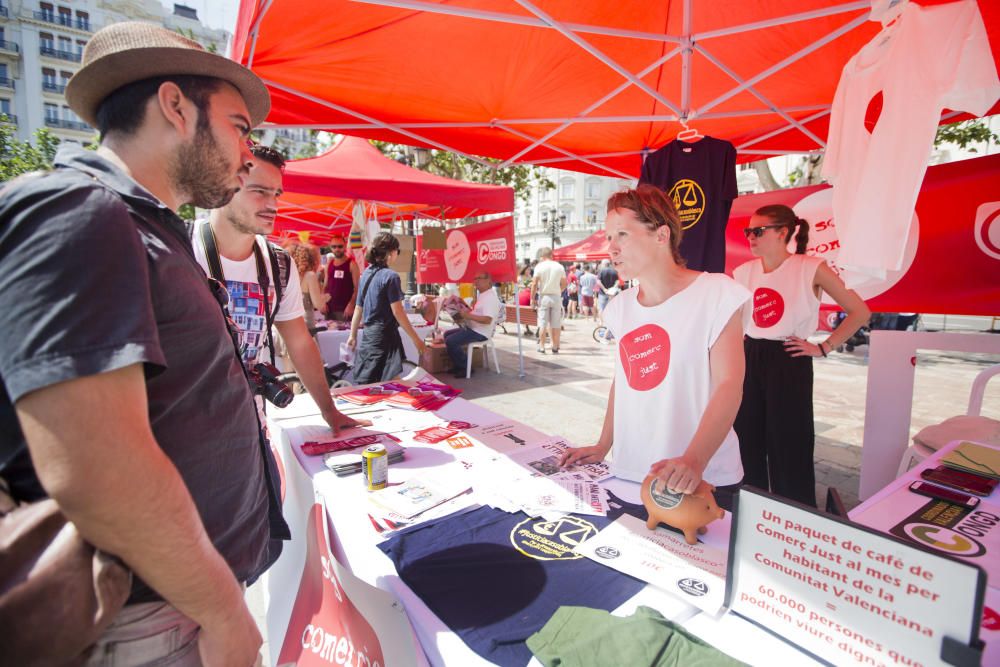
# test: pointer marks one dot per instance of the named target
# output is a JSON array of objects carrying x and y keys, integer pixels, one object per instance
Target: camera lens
[{"x": 278, "y": 394}]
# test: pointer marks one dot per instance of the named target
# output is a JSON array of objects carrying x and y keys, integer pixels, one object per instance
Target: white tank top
[{"x": 784, "y": 302}]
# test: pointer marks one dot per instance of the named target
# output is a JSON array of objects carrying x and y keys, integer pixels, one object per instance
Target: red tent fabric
[
  {"x": 590, "y": 249},
  {"x": 320, "y": 192},
  {"x": 585, "y": 85}
]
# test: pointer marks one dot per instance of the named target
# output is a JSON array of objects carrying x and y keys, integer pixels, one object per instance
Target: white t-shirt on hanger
[{"x": 931, "y": 58}]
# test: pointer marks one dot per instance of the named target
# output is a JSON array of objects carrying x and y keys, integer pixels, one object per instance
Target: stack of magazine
[{"x": 349, "y": 462}]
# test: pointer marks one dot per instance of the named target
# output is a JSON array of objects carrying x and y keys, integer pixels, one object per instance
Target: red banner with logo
[
  {"x": 484, "y": 246},
  {"x": 326, "y": 628},
  {"x": 952, "y": 257}
]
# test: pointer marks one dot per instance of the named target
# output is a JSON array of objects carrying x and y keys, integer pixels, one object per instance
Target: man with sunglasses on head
[
  {"x": 342, "y": 276},
  {"x": 123, "y": 399},
  {"x": 263, "y": 284}
]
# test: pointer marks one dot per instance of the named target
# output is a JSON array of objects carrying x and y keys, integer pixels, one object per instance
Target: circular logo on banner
[
  {"x": 607, "y": 552},
  {"x": 663, "y": 496},
  {"x": 689, "y": 200},
  {"x": 987, "y": 229},
  {"x": 645, "y": 356},
  {"x": 824, "y": 243},
  {"x": 768, "y": 307},
  {"x": 944, "y": 539},
  {"x": 457, "y": 254},
  {"x": 693, "y": 587},
  {"x": 551, "y": 540}
]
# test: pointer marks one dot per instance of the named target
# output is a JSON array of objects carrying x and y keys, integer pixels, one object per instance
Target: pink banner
[{"x": 485, "y": 246}]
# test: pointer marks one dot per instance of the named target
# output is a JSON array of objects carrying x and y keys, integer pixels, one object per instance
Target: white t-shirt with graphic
[
  {"x": 933, "y": 57},
  {"x": 246, "y": 301},
  {"x": 663, "y": 380},
  {"x": 784, "y": 303},
  {"x": 487, "y": 304}
]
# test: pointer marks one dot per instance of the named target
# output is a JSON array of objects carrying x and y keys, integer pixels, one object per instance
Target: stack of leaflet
[
  {"x": 344, "y": 463},
  {"x": 529, "y": 479},
  {"x": 418, "y": 499},
  {"x": 977, "y": 459}
]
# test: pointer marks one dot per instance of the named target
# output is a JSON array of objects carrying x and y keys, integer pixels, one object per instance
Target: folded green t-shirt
[{"x": 584, "y": 637}]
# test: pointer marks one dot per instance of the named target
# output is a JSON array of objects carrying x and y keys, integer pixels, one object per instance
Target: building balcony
[
  {"x": 53, "y": 87},
  {"x": 63, "y": 124},
  {"x": 60, "y": 55},
  {"x": 61, "y": 19},
  {"x": 6, "y": 82},
  {"x": 9, "y": 47},
  {"x": 4, "y": 12}
]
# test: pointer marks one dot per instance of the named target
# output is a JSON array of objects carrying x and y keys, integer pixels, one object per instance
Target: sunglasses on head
[{"x": 757, "y": 232}]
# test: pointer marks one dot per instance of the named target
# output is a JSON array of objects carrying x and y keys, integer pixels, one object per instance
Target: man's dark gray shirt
[{"x": 97, "y": 274}]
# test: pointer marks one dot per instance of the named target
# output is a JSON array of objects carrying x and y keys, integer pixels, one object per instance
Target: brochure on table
[{"x": 847, "y": 593}]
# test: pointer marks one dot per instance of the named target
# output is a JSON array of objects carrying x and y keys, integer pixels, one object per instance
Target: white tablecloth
[
  {"x": 329, "y": 341},
  {"x": 356, "y": 539}
]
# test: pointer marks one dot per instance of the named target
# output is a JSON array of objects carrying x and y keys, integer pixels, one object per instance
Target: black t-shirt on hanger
[{"x": 700, "y": 177}]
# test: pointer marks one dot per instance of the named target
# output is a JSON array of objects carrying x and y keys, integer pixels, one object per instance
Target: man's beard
[{"x": 199, "y": 170}]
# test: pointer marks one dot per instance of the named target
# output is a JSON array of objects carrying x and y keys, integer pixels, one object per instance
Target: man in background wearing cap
[{"x": 120, "y": 377}]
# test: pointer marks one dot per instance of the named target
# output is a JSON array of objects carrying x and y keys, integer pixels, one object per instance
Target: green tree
[
  {"x": 19, "y": 157},
  {"x": 452, "y": 165},
  {"x": 965, "y": 132}
]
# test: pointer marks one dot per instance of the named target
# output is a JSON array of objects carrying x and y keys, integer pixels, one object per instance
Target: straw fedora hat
[{"x": 123, "y": 53}]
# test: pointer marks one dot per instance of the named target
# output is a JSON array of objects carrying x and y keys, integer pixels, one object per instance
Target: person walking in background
[
  {"x": 588, "y": 288},
  {"x": 572, "y": 294},
  {"x": 546, "y": 289},
  {"x": 307, "y": 261},
  {"x": 341, "y": 285},
  {"x": 775, "y": 421},
  {"x": 380, "y": 355},
  {"x": 607, "y": 285}
]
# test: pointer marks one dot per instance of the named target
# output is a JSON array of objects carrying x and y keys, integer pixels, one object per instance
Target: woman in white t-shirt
[
  {"x": 679, "y": 372},
  {"x": 775, "y": 421}
]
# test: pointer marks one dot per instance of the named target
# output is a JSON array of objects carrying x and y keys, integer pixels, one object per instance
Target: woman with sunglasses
[
  {"x": 679, "y": 371},
  {"x": 775, "y": 421}
]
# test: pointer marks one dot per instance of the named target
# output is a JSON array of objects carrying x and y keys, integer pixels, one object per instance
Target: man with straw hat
[{"x": 124, "y": 399}]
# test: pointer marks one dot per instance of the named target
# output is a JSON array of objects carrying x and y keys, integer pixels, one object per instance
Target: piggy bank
[{"x": 689, "y": 513}]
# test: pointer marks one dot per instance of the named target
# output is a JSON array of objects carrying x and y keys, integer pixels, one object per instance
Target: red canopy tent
[
  {"x": 321, "y": 191},
  {"x": 586, "y": 85}
]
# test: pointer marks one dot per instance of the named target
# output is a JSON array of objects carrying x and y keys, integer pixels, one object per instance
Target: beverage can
[{"x": 375, "y": 465}]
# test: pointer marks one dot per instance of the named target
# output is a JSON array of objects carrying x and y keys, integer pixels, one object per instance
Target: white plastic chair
[
  {"x": 917, "y": 452},
  {"x": 487, "y": 346}
]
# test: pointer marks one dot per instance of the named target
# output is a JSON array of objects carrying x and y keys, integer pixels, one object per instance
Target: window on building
[
  {"x": 48, "y": 78},
  {"x": 546, "y": 194},
  {"x": 51, "y": 111},
  {"x": 48, "y": 11},
  {"x": 566, "y": 216},
  {"x": 591, "y": 216},
  {"x": 83, "y": 20},
  {"x": 65, "y": 44},
  {"x": 65, "y": 16},
  {"x": 593, "y": 189},
  {"x": 64, "y": 78},
  {"x": 2, "y": 38},
  {"x": 79, "y": 47},
  {"x": 566, "y": 189},
  {"x": 5, "y": 107},
  {"x": 47, "y": 40}
]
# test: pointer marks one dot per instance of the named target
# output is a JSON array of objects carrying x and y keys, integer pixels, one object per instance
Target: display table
[
  {"x": 895, "y": 503},
  {"x": 329, "y": 341},
  {"x": 353, "y": 540}
]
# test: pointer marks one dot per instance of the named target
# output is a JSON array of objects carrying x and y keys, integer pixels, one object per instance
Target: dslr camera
[{"x": 264, "y": 382}]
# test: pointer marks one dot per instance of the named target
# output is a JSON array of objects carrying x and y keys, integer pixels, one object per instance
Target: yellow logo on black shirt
[
  {"x": 551, "y": 540},
  {"x": 689, "y": 200}
]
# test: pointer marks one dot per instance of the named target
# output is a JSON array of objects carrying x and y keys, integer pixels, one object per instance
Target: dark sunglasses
[
  {"x": 336, "y": 247},
  {"x": 757, "y": 232}
]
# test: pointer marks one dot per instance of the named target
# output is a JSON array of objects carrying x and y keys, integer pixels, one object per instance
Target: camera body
[{"x": 264, "y": 382}]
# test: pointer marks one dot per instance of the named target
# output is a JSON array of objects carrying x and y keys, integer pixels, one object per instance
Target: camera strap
[{"x": 263, "y": 279}]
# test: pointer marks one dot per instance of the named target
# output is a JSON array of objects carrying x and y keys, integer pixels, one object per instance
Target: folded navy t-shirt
[{"x": 496, "y": 578}]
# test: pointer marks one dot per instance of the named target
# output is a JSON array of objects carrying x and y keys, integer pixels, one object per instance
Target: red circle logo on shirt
[
  {"x": 645, "y": 355},
  {"x": 768, "y": 307}
]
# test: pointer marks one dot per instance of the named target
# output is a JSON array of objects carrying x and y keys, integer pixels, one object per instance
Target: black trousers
[{"x": 775, "y": 421}]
